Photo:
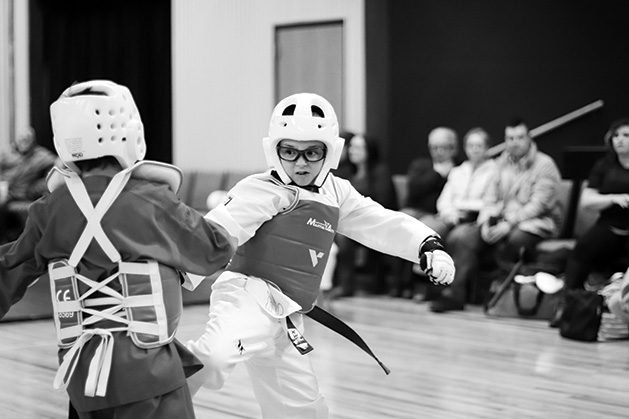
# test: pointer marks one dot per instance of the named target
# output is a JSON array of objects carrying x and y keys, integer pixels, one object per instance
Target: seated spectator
[
  {"x": 521, "y": 209},
  {"x": 372, "y": 178},
  {"x": 24, "y": 172},
  {"x": 607, "y": 191},
  {"x": 462, "y": 196},
  {"x": 426, "y": 178},
  {"x": 427, "y": 175}
]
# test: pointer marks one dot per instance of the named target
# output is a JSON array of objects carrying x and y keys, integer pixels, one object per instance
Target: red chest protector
[{"x": 291, "y": 250}]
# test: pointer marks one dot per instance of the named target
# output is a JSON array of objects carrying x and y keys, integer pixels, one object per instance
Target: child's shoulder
[
  {"x": 335, "y": 182},
  {"x": 158, "y": 172},
  {"x": 338, "y": 187},
  {"x": 264, "y": 189},
  {"x": 151, "y": 171},
  {"x": 264, "y": 181}
]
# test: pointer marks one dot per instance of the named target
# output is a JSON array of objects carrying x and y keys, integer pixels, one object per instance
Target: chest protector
[
  {"x": 291, "y": 250},
  {"x": 147, "y": 307}
]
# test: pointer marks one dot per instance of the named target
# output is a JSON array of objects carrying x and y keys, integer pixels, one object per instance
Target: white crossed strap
[
  {"x": 100, "y": 365},
  {"x": 93, "y": 229}
]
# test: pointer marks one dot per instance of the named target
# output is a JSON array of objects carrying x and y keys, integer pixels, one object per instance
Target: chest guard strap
[
  {"x": 140, "y": 307},
  {"x": 93, "y": 229}
]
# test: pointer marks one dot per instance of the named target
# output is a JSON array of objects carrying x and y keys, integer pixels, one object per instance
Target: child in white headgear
[
  {"x": 113, "y": 239},
  {"x": 284, "y": 221}
]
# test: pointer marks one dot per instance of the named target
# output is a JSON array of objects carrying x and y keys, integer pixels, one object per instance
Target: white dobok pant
[{"x": 246, "y": 324}]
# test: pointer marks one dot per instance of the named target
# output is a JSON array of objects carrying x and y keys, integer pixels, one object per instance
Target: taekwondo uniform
[
  {"x": 126, "y": 331},
  {"x": 284, "y": 235}
]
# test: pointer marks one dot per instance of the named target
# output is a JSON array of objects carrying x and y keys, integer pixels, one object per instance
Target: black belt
[{"x": 339, "y": 326}]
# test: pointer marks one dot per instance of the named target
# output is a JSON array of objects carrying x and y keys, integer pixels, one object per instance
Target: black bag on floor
[
  {"x": 523, "y": 300},
  {"x": 509, "y": 298},
  {"x": 581, "y": 317}
]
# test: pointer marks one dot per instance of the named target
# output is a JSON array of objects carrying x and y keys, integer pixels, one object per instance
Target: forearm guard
[{"x": 431, "y": 243}]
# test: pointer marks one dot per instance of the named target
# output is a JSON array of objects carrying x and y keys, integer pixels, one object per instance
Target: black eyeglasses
[{"x": 312, "y": 154}]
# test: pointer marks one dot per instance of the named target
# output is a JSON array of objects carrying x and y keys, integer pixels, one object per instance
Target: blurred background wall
[
  {"x": 14, "y": 92},
  {"x": 224, "y": 57},
  {"x": 204, "y": 72},
  {"x": 479, "y": 63}
]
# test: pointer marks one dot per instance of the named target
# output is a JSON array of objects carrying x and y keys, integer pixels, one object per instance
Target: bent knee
[{"x": 215, "y": 357}]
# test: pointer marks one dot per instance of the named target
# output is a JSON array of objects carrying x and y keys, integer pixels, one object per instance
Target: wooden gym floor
[{"x": 460, "y": 365}]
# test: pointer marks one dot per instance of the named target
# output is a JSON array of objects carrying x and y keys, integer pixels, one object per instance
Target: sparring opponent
[
  {"x": 115, "y": 242},
  {"x": 284, "y": 221}
]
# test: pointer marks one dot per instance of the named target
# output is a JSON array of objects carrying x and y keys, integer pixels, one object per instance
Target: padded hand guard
[{"x": 435, "y": 262}]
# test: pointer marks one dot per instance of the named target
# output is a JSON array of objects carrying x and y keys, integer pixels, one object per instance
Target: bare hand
[
  {"x": 443, "y": 168},
  {"x": 493, "y": 234},
  {"x": 622, "y": 200},
  {"x": 451, "y": 218}
]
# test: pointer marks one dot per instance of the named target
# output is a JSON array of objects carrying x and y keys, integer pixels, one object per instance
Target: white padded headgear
[
  {"x": 292, "y": 119},
  {"x": 95, "y": 119}
]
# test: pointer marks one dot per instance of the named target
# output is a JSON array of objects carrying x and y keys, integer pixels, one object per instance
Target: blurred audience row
[
  {"x": 23, "y": 172},
  {"x": 489, "y": 212}
]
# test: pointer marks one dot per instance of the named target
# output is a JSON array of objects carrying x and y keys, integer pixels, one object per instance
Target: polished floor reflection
[{"x": 444, "y": 366}]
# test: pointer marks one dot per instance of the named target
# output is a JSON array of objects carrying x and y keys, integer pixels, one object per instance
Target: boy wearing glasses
[{"x": 284, "y": 221}]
